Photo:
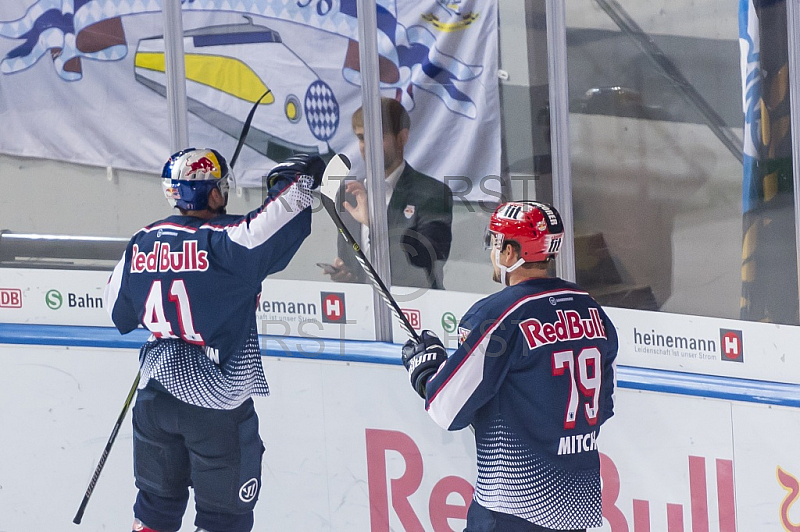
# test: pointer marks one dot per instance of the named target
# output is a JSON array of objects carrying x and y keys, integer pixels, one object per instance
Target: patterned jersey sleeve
[
  {"x": 264, "y": 241},
  {"x": 473, "y": 374}
]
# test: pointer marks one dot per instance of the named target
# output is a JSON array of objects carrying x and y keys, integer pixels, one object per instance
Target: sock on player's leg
[{"x": 138, "y": 526}]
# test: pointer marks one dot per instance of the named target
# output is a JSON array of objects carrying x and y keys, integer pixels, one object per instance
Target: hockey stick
[
  {"x": 246, "y": 128},
  {"x": 106, "y": 451},
  {"x": 339, "y": 166}
]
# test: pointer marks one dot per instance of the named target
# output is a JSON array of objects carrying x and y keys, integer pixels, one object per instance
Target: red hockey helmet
[{"x": 535, "y": 226}]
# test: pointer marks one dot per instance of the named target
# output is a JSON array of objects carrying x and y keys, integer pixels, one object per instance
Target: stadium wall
[{"x": 349, "y": 446}]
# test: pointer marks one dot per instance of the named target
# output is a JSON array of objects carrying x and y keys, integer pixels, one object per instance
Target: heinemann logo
[
  {"x": 732, "y": 346},
  {"x": 671, "y": 340},
  {"x": 657, "y": 343}
]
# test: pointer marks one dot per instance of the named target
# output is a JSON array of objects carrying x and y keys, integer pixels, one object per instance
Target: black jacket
[{"x": 419, "y": 219}]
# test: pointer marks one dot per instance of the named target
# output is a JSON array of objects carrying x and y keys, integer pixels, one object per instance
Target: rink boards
[
  {"x": 315, "y": 311},
  {"x": 349, "y": 446},
  {"x": 703, "y": 440}
]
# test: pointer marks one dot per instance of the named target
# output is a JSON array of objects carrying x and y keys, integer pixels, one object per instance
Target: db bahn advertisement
[{"x": 49, "y": 297}]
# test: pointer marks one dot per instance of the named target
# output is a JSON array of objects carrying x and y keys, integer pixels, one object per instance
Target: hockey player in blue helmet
[
  {"x": 193, "y": 280},
  {"x": 190, "y": 175}
]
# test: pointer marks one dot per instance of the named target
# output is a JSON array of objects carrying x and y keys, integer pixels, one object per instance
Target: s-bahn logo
[
  {"x": 449, "y": 322},
  {"x": 54, "y": 299},
  {"x": 333, "y": 308},
  {"x": 731, "y": 344}
]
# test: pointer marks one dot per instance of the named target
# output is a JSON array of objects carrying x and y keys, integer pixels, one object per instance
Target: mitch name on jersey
[{"x": 577, "y": 443}]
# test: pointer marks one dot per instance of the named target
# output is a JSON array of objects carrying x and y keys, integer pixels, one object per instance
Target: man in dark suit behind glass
[{"x": 419, "y": 211}]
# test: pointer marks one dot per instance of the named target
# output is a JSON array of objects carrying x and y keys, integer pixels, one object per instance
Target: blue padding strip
[
  {"x": 774, "y": 393},
  {"x": 652, "y": 380},
  {"x": 69, "y": 335},
  {"x": 331, "y": 349}
]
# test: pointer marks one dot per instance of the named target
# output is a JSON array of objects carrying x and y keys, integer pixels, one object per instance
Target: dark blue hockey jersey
[
  {"x": 534, "y": 375},
  {"x": 195, "y": 285}
]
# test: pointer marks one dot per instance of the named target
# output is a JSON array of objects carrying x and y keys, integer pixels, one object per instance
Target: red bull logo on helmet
[
  {"x": 172, "y": 193},
  {"x": 203, "y": 165}
]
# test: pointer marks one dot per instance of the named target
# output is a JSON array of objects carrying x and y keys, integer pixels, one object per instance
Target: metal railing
[{"x": 63, "y": 252}]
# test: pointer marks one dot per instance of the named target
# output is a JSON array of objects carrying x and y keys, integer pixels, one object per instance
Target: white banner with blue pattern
[{"x": 84, "y": 81}]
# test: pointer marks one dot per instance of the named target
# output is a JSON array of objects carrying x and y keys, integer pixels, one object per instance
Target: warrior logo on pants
[{"x": 249, "y": 490}]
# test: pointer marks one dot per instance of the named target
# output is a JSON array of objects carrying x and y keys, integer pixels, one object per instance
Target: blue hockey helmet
[{"x": 189, "y": 176}]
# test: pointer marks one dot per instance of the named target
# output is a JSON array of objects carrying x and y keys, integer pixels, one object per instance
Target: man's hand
[
  {"x": 360, "y": 212},
  {"x": 422, "y": 359},
  {"x": 342, "y": 273},
  {"x": 301, "y": 164}
]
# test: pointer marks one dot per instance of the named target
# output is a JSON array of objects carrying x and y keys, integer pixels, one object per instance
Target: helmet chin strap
[{"x": 504, "y": 270}]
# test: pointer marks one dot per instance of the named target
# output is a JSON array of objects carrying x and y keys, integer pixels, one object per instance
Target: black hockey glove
[
  {"x": 301, "y": 164},
  {"x": 422, "y": 359}
]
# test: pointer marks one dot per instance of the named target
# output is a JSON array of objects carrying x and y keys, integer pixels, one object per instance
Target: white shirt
[{"x": 391, "y": 182}]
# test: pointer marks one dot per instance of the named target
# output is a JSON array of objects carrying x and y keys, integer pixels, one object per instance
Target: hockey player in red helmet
[
  {"x": 533, "y": 374},
  {"x": 533, "y": 230}
]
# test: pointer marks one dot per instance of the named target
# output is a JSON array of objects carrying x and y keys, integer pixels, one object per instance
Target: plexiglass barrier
[{"x": 682, "y": 180}]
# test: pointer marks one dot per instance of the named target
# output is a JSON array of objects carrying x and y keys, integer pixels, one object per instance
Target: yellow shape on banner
[
  {"x": 463, "y": 22},
  {"x": 291, "y": 109},
  {"x": 226, "y": 74}
]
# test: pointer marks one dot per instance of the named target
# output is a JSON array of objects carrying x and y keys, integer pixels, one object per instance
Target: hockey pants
[{"x": 217, "y": 452}]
